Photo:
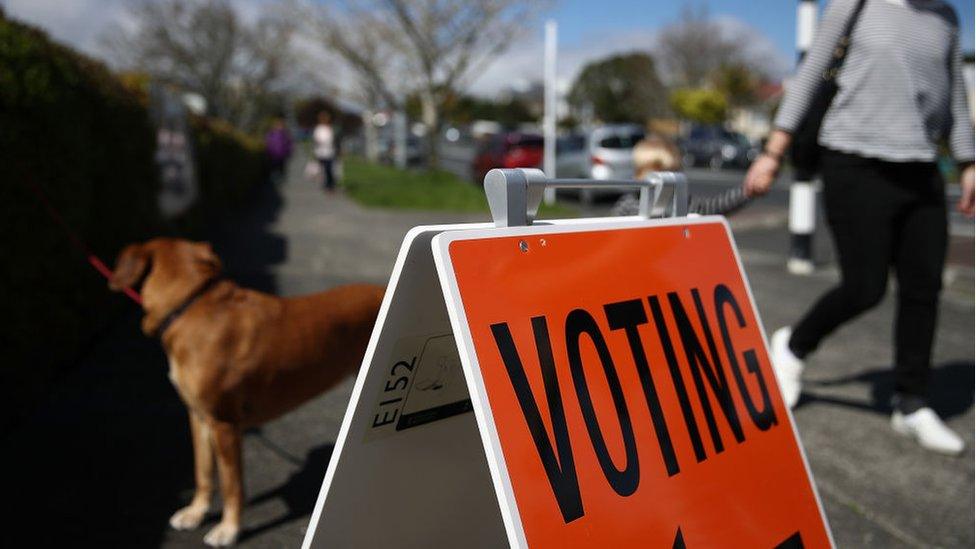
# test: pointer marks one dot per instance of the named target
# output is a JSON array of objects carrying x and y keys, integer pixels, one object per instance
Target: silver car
[{"x": 606, "y": 153}]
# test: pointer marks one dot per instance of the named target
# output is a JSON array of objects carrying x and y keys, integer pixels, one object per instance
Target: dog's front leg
[
  {"x": 192, "y": 515},
  {"x": 227, "y": 442}
]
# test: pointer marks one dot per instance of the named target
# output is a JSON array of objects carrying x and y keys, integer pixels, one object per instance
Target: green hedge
[
  {"x": 69, "y": 126},
  {"x": 229, "y": 163}
]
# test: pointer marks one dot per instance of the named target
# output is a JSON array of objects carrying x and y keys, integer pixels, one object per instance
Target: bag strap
[{"x": 840, "y": 51}]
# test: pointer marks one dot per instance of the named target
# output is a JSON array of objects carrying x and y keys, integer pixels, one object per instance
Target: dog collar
[{"x": 179, "y": 309}]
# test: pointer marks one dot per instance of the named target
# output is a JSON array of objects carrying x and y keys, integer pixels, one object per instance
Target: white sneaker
[
  {"x": 925, "y": 426},
  {"x": 787, "y": 366}
]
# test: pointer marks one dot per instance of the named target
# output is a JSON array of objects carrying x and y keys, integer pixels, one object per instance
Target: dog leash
[
  {"x": 75, "y": 240},
  {"x": 725, "y": 203}
]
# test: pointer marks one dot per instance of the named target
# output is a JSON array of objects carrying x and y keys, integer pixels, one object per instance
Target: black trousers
[
  {"x": 327, "y": 174},
  {"x": 882, "y": 215}
]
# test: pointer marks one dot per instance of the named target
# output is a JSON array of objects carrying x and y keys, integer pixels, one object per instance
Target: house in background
[{"x": 755, "y": 121}]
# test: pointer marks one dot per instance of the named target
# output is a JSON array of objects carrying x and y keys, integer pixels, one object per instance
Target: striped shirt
[{"x": 900, "y": 90}]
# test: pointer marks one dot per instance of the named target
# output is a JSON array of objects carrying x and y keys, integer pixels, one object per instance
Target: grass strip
[{"x": 382, "y": 186}]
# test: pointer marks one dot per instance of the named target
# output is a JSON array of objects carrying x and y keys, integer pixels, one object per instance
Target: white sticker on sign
[{"x": 425, "y": 383}]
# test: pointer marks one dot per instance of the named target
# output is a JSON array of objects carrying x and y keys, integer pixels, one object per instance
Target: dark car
[
  {"x": 717, "y": 148},
  {"x": 506, "y": 150}
]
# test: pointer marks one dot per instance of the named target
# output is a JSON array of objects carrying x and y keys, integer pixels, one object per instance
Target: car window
[
  {"x": 493, "y": 145},
  {"x": 701, "y": 133},
  {"x": 486, "y": 144},
  {"x": 572, "y": 143},
  {"x": 526, "y": 141},
  {"x": 498, "y": 145},
  {"x": 621, "y": 141}
]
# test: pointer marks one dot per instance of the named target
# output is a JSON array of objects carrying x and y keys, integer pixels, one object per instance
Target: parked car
[
  {"x": 606, "y": 153},
  {"x": 572, "y": 156},
  {"x": 717, "y": 148},
  {"x": 506, "y": 150}
]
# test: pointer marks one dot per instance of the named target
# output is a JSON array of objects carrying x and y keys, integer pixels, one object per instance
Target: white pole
[
  {"x": 549, "y": 117},
  {"x": 803, "y": 191},
  {"x": 400, "y": 138},
  {"x": 806, "y": 25}
]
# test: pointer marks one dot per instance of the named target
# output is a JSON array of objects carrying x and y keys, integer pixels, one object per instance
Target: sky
[
  {"x": 773, "y": 18},
  {"x": 588, "y": 30}
]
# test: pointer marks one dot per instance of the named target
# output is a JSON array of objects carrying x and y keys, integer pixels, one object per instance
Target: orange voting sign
[{"x": 626, "y": 386}]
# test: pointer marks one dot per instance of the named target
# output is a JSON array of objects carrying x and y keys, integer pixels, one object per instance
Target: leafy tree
[
  {"x": 620, "y": 88},
  {"x": 466, "y": 109},
  {"x": 737, "y": 82},
  {"x": 702, "y": 105}
]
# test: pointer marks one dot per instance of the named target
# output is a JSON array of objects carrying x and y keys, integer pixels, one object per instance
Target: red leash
[{"x": 93, "y": 259}]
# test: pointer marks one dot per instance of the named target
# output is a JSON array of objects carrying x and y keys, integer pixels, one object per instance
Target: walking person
[
  {"x": 278, "y": 144},
  {"x": 899, "y": 96},
  {"x": 325, "y": 151}
]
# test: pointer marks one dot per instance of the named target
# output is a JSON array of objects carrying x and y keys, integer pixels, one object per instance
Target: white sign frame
[{"x": 424, "y": 249}]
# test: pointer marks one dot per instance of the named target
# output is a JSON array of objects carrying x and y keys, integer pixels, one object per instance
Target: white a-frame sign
[{"x": 580, "y": 383}]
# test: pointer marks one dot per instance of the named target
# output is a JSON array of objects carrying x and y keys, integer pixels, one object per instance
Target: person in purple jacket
[{"x": 277, "y": 143}]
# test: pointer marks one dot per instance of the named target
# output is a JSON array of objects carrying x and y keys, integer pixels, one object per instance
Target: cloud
[
  {"x": 523, "y": 62},
  {"x": 759, "y": 47}
]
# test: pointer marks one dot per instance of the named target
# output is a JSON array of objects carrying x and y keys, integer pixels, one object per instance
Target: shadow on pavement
[
  {"x": 106, "y": 457},
  {"x": 950, "y": 389},
  {"x": 298, "y": 493},
  {"x": 246, "y": 246}
]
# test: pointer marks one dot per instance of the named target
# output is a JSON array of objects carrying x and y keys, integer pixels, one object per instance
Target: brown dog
[{"x": 239, "y": 357}]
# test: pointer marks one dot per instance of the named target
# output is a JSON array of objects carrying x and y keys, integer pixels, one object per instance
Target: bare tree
[
  {"x": 696, "y": 47},
  {"x": 428, "y": 47},
  {"x": 204, "y": 46}
]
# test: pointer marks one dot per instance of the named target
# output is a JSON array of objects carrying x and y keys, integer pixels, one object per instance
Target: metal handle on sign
[{"x": 514, "y": 194}]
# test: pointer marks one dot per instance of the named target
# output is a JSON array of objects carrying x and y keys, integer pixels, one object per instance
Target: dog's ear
[
  {"x": 129, "y": 267},
  {"x": 203, "y": 253}
]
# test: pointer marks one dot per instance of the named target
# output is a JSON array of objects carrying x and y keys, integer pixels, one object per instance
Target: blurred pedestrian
[
  {"x": 278, "y": 144},
  {"x": 325, "y": 150},
  {"x": 655, "y": 153},
  {"x": 899, "y": 95}
]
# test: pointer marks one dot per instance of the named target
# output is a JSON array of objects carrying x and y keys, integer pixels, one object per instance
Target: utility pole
[
  {"x": 400, "y": 138},
  {"x": 803, "y": 190},
  {"x": 549, "y": 115}
]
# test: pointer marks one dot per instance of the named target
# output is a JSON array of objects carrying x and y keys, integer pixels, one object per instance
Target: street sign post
[{"x": 580, "y": 383}]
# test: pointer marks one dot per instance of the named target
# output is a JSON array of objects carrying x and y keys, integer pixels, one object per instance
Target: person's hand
[
  {"x": 761, "y": 175},
  {"x": 965, "y": 204}
]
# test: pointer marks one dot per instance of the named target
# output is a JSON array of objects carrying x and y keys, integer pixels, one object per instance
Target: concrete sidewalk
[{"x": 107, "y": 459}]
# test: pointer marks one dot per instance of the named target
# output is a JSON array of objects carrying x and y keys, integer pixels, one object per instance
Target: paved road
[{"x": 106, "y": 459}]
